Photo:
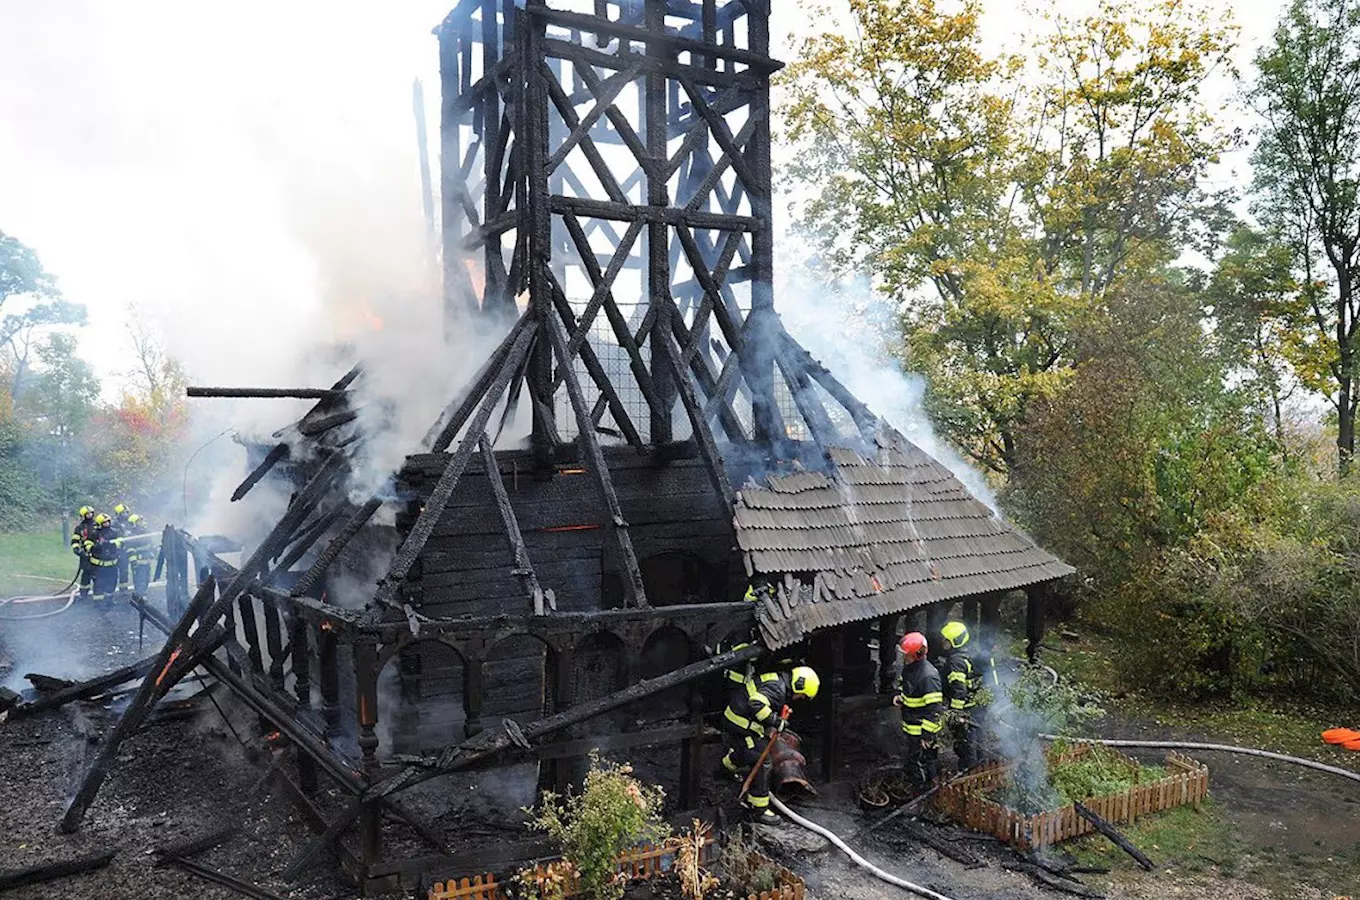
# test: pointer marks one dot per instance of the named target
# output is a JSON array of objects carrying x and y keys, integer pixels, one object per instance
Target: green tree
[
  {"x": 1307, "y": 183},
  {"x": 25, "y": 283},
  {"x": 1000, "y": 205},
  {"x": 1262, "y": 321}
]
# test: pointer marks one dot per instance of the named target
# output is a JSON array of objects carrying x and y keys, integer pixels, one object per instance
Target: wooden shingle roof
[{"x": 875, "y": 537}]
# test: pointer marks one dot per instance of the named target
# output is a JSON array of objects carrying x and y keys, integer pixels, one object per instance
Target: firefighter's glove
[
  {"x": 929, "y": 743},
  {"x": 89, "y": 546}
]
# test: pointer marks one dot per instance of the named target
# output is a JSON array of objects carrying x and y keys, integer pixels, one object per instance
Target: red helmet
[{"x": 913, "y": 646}]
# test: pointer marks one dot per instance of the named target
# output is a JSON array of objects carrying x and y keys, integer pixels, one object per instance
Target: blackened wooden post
[
  {"x": 273, "y": 635},
  {"x": 936, "y": 615},
  {"x": 474, "y": 693},
  {"x": 825, "y": 650},
  {"x": 970, "y": 612},
  {"x": 366, "y": 683},
  {"x": 496, "y": 292},
  {"x": 563, "y": 696},
  {"x": 887, "y": 652},
  {"x": 991, "y": 614},
  {"x": 300, "y": 639},
  {"x": 329, "y": 662},
  {"x": 251, "y": 631},
  {"x": 534, "y": 141},
  {"x": 1037, "y": 595},
  {"x": 692, "y": 752},
  {"x": 658, "y": 232}
]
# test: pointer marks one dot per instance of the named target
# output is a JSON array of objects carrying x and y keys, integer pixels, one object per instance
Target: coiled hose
[{"x": 854, "y": 857}]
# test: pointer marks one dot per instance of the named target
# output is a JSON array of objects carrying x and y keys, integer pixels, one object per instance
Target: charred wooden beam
[
  {"x": 599, "y": 469},
  {"x": 228, "y": 881},
  {"x": 195, "y": 845},
  {"x": 131, "y": 719},
  {"x": 352, "y": 526},
  {"x": 50, "y": 871},
  {"x": 451, "y": 421},
  {"x": 310, "y": 427},
  {"x": 443, "y": 489},
  {"x": 524, "y": 569},
  {"x": 266, "y": 393},
  {"x": 632, "y": 33},
  {"x": 277, "y": 454},
  {"x": 84, "y": 690},
  {"x": 703, "y": 435},
  {"x": 1115, "y": 836}
]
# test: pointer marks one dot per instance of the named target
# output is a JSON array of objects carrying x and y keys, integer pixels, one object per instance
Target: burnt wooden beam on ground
[
  {"x": 50, "y": 871},
  {"x": 1115, "y": 836},
  {"x": 1054, "y": 882},
  {"x": 199, "y": 844},
  {"x": 147, "y": 694},
  {"x": 84, "y": 690},
  {"x": 228, "y": 881}
]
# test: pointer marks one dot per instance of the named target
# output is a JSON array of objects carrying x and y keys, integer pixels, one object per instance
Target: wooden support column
[
  {"x": 563, "y": 696},
  {"x": 366, "y": 686},
  {"x": 936, "y": 615},
  {"x": 474, "y": 694},
  {"x": 887, "y": 652},
  {"x": 328, "y": 646},
  {"x": 273, "y": 635},
  {"x": 826, "y": 650},
  {"x": 970, "y": 612},
  {"x": 300, "y": 640},
  {"x": 692, "y": 752},
  {"x": 654, "y": 97},
  {"x": 1037, "y": 596}
]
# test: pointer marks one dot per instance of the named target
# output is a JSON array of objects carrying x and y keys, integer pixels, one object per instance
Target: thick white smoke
[{"x": 853, "y": 331}]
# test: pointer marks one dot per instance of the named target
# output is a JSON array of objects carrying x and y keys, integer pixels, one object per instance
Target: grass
[
  {"x": 1186, "y": 843},
  {"x": 1292, "y": 727},
  {"x": 35, "y": 562}
]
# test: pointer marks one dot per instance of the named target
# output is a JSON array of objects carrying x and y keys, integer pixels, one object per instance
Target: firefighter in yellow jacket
[
  {"x": 754, "y": 714},
  {"x": 921, "y": 698}
]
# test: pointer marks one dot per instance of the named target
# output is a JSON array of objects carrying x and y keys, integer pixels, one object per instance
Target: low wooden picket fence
[
  {"x": 641, "y": 863},
  {"x": 964, "y": 800}
]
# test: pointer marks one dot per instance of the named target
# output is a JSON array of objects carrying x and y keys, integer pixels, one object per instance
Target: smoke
[{"x": 856, "y": 334}]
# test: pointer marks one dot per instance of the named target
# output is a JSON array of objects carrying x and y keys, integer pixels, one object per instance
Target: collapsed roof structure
[{"x": 607, "y": 207}]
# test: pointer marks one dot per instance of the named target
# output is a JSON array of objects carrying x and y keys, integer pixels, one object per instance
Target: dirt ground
[{"x": 1275, "y": 831}]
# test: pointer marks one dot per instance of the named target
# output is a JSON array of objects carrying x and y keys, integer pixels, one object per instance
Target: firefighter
[
  {"x": 103, "y": 553},
  {"x": 139, "y": 554},
  {"x": 119, "y": 528},
  {"x": 964, "y": 679},
  {"x": 921, "y": 699},
  {"x": 755, "y": 712},
  {"x": 84, "y": 532}
]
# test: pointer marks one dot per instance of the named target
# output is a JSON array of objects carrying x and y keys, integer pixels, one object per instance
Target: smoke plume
[{"x": 855, "y": 332}]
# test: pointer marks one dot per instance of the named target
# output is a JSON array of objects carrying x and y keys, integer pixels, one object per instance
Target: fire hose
[
  {"x": 1226, "y": 748},
  {"x": 41, "y": 598},
  {"x": 855, "y": 857}
]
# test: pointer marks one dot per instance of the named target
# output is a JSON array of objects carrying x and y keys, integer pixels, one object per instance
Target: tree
[
  {"x": 1262, "y": 322},
  {"x": 23, "y": 278},
  {"x": 998, "y": 214},
  {"x": 1307, "y": 182}
]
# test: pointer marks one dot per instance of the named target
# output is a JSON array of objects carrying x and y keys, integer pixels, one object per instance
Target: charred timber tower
[{"x": 610, "y": 162}]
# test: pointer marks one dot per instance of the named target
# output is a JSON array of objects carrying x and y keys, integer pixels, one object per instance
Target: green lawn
[{"x": 35, "y": 562}]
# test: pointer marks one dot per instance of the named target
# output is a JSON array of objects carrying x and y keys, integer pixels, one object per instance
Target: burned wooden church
[{"x": 607, "y": 210}]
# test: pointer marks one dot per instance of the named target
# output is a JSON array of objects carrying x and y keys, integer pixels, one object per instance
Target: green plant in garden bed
[
  {"x": 1098, "y": 771},
  {"x": 613, "y": 812}
]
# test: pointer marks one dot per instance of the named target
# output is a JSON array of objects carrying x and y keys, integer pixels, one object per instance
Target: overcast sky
[{"x": 224, "y": 166}]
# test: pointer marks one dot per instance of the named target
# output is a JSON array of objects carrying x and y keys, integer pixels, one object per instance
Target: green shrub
[{"x": 613, "y": 812}]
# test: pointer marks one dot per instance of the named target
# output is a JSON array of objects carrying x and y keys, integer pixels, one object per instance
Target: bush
[{"x": 613, "y": 812}]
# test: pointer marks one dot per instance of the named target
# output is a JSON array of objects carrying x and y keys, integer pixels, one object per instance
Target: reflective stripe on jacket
[
  {"x": 963, "y": 680},
  {"x": 756, "y": 703},
  {"x": 922, "y": 699}
]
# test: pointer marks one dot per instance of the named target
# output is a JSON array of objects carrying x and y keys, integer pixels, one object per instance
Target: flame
[
  {"x": 373, "y": 320},
  {"x": 166, "y": 671},
  {"x": 573, "y": 528}
]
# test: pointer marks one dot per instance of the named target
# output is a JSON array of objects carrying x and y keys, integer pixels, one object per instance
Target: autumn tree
[
  {"x": 999, "y": 203},
  {"x": 29, "y": 303},
  {"x": 1307, "y": 181}
]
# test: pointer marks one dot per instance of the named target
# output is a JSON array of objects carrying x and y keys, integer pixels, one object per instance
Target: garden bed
[
  {"x": 975, "y": 800},
  {"x": 649, "y": 870}
]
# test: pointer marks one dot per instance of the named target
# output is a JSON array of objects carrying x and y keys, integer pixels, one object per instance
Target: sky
[{"x": 230, "y": 168}]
